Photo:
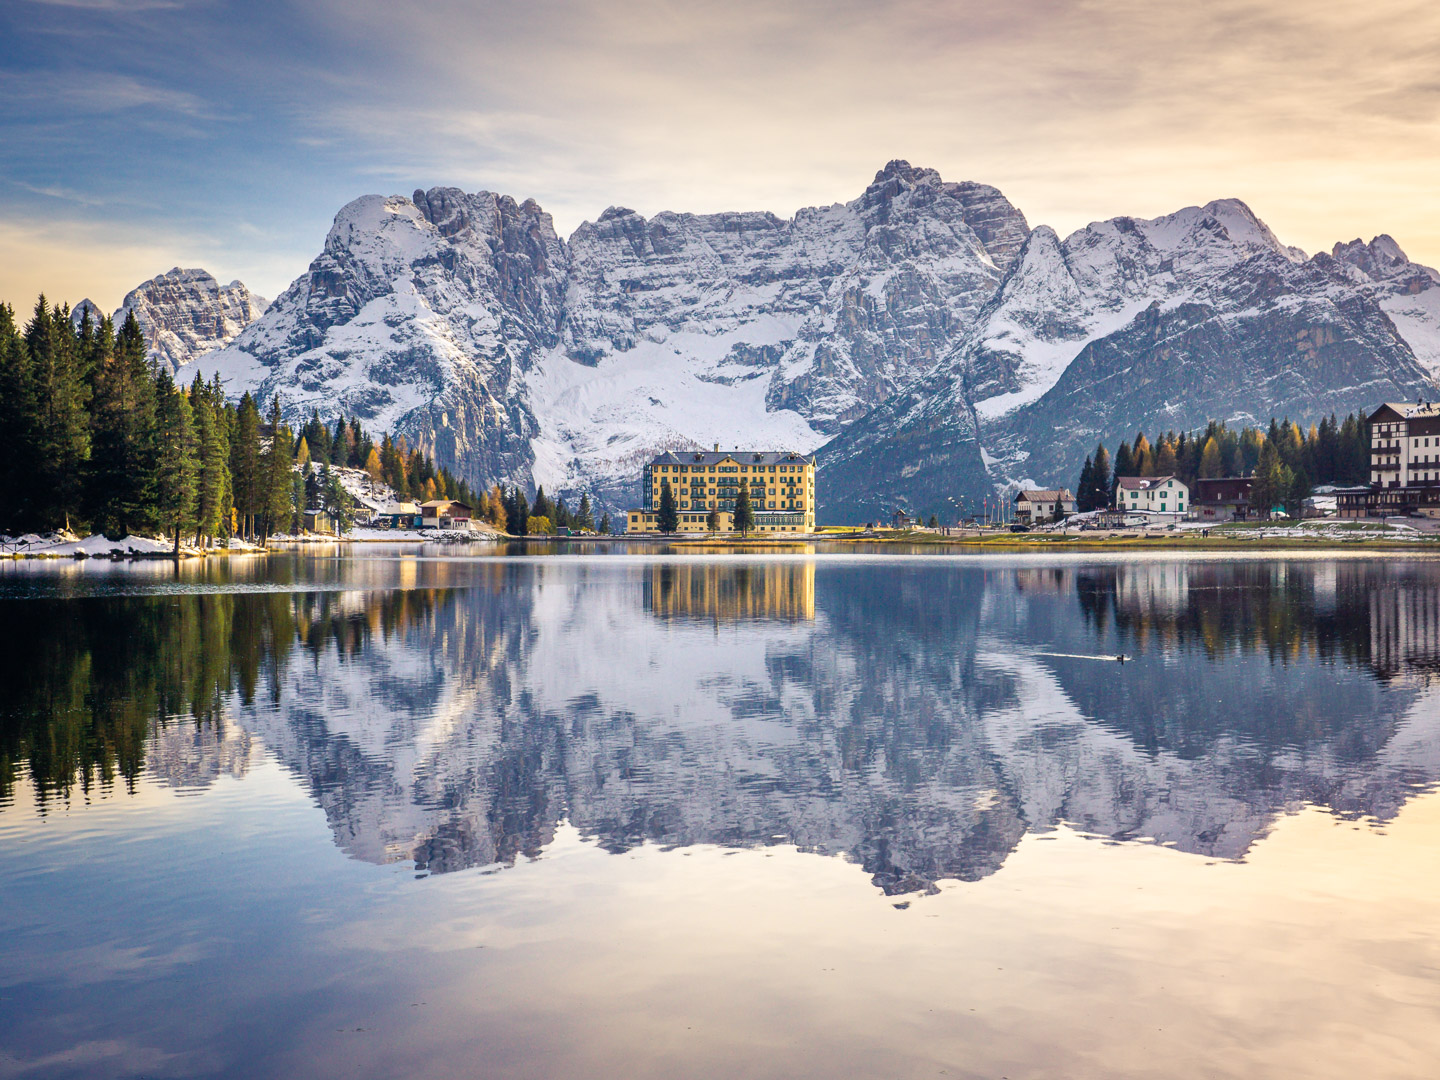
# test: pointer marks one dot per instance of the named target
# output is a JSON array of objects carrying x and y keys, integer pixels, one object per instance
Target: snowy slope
[
  {"x": 1408, "y": 292},
  {"x": 420, "y": 316},
  {"x": 1096, "y": 282}
]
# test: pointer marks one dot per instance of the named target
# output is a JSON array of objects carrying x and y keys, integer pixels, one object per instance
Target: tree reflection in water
[{"x": 916, "y": 716}]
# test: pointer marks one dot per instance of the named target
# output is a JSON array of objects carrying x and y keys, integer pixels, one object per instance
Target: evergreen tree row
[
  {"x": 98, "y": 437},
  {"x": 511, "y": 511},
  {"x": 1284, "y": 461}
]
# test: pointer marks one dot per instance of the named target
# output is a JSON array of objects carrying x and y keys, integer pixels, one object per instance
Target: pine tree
[
  {"x": 245, "y": 462},
  {"x": 517, "y": 512},
  {"x": 1297, "y": 490},
  {"x": 372, "y": 467},
  {"x": 744, "y": 515},
  {"x": 605, "y": 527},
  {"x": 311, "y": 476},
  {"x": 1104, "y": 492},
  {"x": 667, "y": 519},
  {"x": 712, "y": 520},
  {"x": 62, "y": 422},
  {"x": 1085, "y": 488},
  {"x": 1251, "y": 444},
  {"x": 277, "y": 499},
  {"x": 542, "y": 506},
  {"x": 212, "y": 502},
  {"x": 1268, "y": 485},
  {"x": 122, "y": 477},
  {"x": 1166, "y": 460},
  {"x": 584, "y": 515},
  {"x": 1124, "y": 465},
  {"x": 336, "y": 501},
  {"x": 1142, "y": 456},
  {"x": 17, "y": 420},
  {"x": 176, "y": 464}
]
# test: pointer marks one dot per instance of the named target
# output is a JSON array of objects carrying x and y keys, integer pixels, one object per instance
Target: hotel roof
[{"x": 740, "y": 457}]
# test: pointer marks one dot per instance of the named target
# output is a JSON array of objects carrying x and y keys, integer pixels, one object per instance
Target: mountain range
[{"x": 922, "y": 338}]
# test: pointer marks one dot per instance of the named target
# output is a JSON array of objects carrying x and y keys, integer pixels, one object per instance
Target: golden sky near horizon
[{"x": 1321, "y": 115}]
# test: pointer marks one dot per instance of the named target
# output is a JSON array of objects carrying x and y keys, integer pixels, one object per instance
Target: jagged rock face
[
  {"x": 833, "y": 309},
  {"x": 746, "y": 329},
  {"x": 1407, "y": 292},
  {"x": 1202, "y": 314},
  {"x": 187, "y": 313},
  {"x": 420, "y": 316},
  {"x": 465, "y": 323}
]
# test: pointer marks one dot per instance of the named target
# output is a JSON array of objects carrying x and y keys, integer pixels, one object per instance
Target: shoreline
[{"x": 1415, "y": 543}]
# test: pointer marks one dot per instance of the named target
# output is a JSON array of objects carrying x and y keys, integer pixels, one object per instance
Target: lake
[{"x": 643, "y": 812}]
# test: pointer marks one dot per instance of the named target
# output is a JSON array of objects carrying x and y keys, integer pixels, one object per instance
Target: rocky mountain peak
[
  {"x": 901, "y": 170},
  {"x": 79, "y": 311},
  {"x": 186, "y": 313},
  {"x": 1380, "y": 259}
]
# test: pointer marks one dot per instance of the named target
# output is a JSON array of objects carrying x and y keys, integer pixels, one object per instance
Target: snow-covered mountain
[
  {"x": 187, "y": 313},
  {"x": 465, "y": 322},
  {"x": 1165, "y": 323},
  {"x": 940, "y": 345}
]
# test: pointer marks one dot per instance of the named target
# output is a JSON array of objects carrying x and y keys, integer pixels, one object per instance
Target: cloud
[
  {"x": 1323, "y": 114},
  {"x": 119, "y": 6},
  {"x": 101, "y": 92}
]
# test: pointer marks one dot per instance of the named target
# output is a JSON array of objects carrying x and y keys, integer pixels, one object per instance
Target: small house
[
  {"x": 445, "y": 514},
  {"x": 319, "y": 521},
  {"x": 1222, "y": 498},
  {"x": 1035, "y": 506},
  {"x": 398, "y": 515},
  {"x": 1167, "y": 495}
]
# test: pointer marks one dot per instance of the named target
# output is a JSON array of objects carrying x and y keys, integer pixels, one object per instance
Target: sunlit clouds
[{"x": 209, "y": 120}]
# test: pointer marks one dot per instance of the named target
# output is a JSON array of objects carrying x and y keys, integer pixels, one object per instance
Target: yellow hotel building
[{"x": 781, "y": 486}]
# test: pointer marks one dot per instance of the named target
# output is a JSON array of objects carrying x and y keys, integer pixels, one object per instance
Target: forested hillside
[{"x": 98, "y": 437}]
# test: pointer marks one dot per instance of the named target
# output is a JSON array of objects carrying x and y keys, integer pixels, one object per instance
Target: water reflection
[
  {"x": 725, "y": 592},
  {"x": 917, "y": 717}
]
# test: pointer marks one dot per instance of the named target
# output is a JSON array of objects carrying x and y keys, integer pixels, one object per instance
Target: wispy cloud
[
  {"x": 1323, "y": 114},
  {"x": 120, "y": 6},
  {"x": 99, "y": 92}
]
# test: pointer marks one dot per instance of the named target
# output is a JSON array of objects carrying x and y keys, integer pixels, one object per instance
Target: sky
[{"x": 136, "y": 135}]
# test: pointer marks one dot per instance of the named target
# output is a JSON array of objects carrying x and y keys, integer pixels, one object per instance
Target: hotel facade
[
  {"x": 1404, "y": 463},
  {"x": 781, "y": 485}
]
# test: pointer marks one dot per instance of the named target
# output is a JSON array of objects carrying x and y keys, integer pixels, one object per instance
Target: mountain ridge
[{"x": 922, "y": 338}]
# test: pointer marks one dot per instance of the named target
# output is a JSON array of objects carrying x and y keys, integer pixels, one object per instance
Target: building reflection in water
[
  {"x": 725, "y": 592},
  {"x": 918, "y": 717}
]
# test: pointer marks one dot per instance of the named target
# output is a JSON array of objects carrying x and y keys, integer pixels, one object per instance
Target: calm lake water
[{"x": 408, "y": 813}]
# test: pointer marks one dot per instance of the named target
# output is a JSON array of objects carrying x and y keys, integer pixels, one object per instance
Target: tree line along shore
[{"x": 99, "y": 438}]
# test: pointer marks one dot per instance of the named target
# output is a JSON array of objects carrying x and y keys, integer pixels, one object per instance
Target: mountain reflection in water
[{"x": 918, "y": 717}]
